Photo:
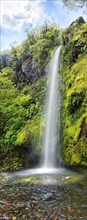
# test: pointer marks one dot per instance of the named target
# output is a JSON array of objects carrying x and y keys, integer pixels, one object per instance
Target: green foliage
[
  {"x": 17, "y": 107},
  {"x": 21, "y": 110},
  {"x": 37, "y": 47},
  {"x": 76, "y": 153},
  {"x": 74, "y": 41},
  {"x": 30, "y": 133},
  {"x": 49, "y": 37},
  {"x": 14, "y": 60},
  {"x": 74, "y": 149},
  {"x": 73, "y": 3}
]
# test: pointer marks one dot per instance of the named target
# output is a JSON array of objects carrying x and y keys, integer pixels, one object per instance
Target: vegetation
[
  {"x": 22, "y": 94},
  {"x": 75, "y": 101},
  {"x": 21, "y": 100},
  {"x": 38, "y": 46},
  {"x": 73, "y": 3},
  {"x": 20, "y": 113}
]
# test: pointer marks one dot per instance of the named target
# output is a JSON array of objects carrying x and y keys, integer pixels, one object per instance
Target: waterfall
[
  {"x": 51, "y": 137},
  {"x": 50, "y": 158}
]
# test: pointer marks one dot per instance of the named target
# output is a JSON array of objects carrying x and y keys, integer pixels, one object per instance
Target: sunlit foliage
[{"x": 74, "y": 149}]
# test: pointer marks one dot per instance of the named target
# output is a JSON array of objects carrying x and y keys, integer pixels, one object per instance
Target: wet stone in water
[
  {"x": 48, "y": 197},
  {"x": 4, "y": 218}
]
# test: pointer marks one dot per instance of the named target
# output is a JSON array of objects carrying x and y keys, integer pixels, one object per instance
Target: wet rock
[
  {"x": 4, "y": 218},
  {"x": 82, "y": 218},
  {"x": 83, "y": 132},
  {"x": 39, "y": 201},
  {"x": 67, "y": 177},
  {"x": 47, "y": 197},
  {"x": 2, "y": 202},
  {"x": 84, "y": 206}
]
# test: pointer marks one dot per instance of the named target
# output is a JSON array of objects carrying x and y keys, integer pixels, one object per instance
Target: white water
[
  {"x": 41, "y": 171},
  {"x": 51, "y": 139}
]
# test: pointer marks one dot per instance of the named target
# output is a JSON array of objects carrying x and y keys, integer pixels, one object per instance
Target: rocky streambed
[{"x": 43, "y": 197}]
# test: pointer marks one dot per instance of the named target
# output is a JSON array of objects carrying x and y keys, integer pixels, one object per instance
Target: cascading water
[{"x": 51, "y": 139}]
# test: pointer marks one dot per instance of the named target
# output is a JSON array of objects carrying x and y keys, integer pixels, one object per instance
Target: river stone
[
  {"x": 47, "y": 197},
  {"x": 4, "y": 218},
  {"x": 2, "y": 202}
]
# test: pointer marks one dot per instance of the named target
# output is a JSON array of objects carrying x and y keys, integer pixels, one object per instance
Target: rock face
[
  {"x": 29, "y": 72},
  {"x": 74, "y": 40},
  {"x": 83, "y": 132},
  {"x": 74, "y": 141},
  {"x": 78, "y": 21},
  {"x": 4, "y": 60}
]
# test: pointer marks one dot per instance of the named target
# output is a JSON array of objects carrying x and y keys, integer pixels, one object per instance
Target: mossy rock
[{"x": 74, "y": 116}]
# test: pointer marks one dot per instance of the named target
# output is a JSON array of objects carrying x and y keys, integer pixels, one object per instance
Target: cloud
[
  {"x": 16, "y": 13},
  {"x": 56, "y": 2}
]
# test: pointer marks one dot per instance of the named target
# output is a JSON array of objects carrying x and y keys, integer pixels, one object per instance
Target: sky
[{"x": 20, "y": 15}]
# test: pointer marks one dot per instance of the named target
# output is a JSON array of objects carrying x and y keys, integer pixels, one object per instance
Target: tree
[
  {"x": 43, "y": 42},
  {"x": 74, "y": 3},
  {"x": 15, "y": 58},
  {"x": 1, "y": 65}
]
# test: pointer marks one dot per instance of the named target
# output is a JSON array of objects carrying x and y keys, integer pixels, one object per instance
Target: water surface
[{"x": 58, "y": 195}]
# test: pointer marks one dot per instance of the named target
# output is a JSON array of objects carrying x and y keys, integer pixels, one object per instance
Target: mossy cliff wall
[{"x": 74, "y": 135}]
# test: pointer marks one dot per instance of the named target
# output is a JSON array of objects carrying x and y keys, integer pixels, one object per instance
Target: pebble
[
  {"x": 67, "y": 177},
  {"x": 47, "y": 197},
  {"x": 4, "y": 218},
  {"x": 38, "y": 201}
]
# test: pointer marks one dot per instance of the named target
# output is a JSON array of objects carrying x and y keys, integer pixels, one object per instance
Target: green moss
[
  {"x": 74, "y": 138},
  {"x": 74, "y": 41},
  {"x": 30, "y": 134},
  {"x": 20, "y": 119}
]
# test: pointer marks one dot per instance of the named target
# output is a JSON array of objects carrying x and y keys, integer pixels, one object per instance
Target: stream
[{"x": 60, "y": 196}]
